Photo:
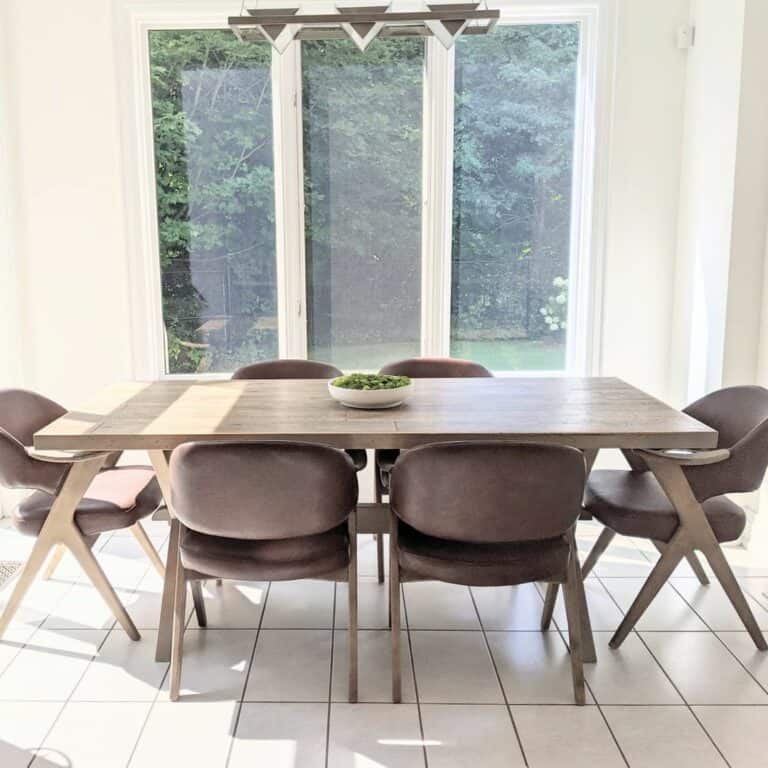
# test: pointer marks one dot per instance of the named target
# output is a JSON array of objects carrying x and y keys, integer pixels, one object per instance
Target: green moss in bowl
[{"x": 370, "y": 381}]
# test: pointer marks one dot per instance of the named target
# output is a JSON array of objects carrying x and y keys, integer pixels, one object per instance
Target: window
[
  {"x": 515, "y": 96},
  {"x": 498, "y": 165},
  {"x": 212, "y": 107},
  {"x": 362, "y": 191}
]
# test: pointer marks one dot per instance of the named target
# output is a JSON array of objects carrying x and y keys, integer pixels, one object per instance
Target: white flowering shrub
[{"x": 555, "y": 311}]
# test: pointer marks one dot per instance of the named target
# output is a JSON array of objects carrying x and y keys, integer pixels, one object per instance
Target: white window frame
[{"x": 134, "y": 19}]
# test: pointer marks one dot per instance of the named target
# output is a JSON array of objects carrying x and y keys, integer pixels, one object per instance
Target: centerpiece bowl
[{"x": 370, "y": 390}]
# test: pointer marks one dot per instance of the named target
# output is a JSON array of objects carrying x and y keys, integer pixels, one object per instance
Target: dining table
[{"x": 589, "y": 413}]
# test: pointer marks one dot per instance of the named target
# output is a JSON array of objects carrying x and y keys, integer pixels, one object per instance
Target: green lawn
[{"x": 506, "y": 355}]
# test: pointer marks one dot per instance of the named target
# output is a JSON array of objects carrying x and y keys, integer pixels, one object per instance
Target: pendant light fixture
[{"x": 363, "y": 23}]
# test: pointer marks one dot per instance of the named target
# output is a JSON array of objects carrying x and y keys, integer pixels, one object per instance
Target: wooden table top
[{"x": 584, "y": 412}]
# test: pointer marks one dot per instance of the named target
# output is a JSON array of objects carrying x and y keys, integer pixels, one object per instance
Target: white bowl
[{"x": 370, "y": 398}]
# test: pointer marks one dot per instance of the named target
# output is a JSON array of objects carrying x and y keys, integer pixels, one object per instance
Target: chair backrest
[
  {"x": 740, "y": 415},
  {"x": 436, "y": 368},
  {"x": 22, "y": 413},
  {"x": 269, "y": 490},
  {"x": 489, "y": 491},
  {"x": 287, "y": 369}
]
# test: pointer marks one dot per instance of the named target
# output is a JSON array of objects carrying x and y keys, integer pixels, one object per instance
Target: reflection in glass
[
  {"x": 212, "y": 107},
  {"x": 513, "y": 157},
  {"x": 362, "y": 181}
]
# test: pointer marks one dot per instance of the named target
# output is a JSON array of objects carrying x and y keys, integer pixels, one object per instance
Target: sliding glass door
[{"x": 378, "y": 158}]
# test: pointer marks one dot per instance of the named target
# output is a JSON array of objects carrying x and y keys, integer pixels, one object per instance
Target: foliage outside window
[
  {"x": 212, "y": 106},
  {"x": 513, "y": 150},
  {"x": 514, "y": 117},
  {"x": 362, "y": 192}
]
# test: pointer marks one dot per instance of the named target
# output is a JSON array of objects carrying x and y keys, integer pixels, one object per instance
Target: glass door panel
[
  {"x": 515, "y": 108},
  {"x": 212, "y": 110},
  {"x": 362, "y": 134}
]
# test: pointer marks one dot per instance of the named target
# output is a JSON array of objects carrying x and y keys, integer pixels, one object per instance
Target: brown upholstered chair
[
  {"x": 417, "y": 368},
  {"x": 487, "y": 514},
  {"x": 633, "y": 502},
  {"x": 118, "y": 497},
  {"x": 299, "y": 369},
  {"x": 271, "y": 511}
]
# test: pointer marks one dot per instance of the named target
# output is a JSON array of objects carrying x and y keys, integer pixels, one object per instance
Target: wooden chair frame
[
  {"x": 60, "y": 532},
  {"x": 398, "y": 576},
  {"x": 348, "y": 575},
  {"x": 693, "y": 533},
  {"x": 379, "y": 491}
]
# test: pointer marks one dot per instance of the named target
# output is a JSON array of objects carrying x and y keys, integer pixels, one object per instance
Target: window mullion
[
  {"x": 289, "y": 202},
  {"x": 437, "y": 185}
]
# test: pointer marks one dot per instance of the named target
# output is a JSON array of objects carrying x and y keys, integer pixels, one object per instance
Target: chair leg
[
  {"x": 380, "y": 558},
  {"x": 93, "y": 570},
  {"x": 54, "y": 531},
  {"x": 603, "y": 540},
  {"x": 722, "y": 569},
  {"x": 144, "y": 542},
  {"x": 697, "y": 568},
  {"x": 379, "y": 537},
  {"x": 693, "y": 517},
  {"x": 25, "y": 580},
  {"x": 177, "y": 633},
  {"x": 574, "y": 631},
  {"x": 549, "y": 606},
  {"x": 55, "y": 560},
  {"x": 199, "y": 603},
  {"x": 394, "y": 603},
  {"x": 693, "y": 561},
  {"x": 673, "y": 553},
  {"x": 162, "y": 471},
  {"x": 352, "y": 597}
]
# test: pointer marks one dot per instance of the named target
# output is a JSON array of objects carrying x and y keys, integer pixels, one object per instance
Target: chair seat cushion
[
  {"x": 359, "y": 458},
  {"x": 634, "y": 504},
  {"x": 301, "y": 557},
  {"x": 117, "y": 498},
  {"x": 481, "y": 565}
]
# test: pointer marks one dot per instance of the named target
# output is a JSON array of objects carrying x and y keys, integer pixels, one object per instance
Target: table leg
[
  {"x": 159, "y": 461},
  {"x": 695, "y": 525},
  {"x": 59, "y": 528},
  {"x": 590, "y": 456}
]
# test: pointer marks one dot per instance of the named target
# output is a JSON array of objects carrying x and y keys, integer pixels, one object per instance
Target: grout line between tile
[
  {"x": 598, "y": 705},
  {"x": 720, "y": 640},
  {"x": 330, "y": 675},
  {"x": 498, "y": 677},
  {"x": 74, "y": 688},
  {"x": 236, "y": 721},
  {"x": 413, "y": 672},
  {"x": 671, "y": 681}
]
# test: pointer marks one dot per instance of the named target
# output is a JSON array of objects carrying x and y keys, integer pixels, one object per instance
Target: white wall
[
  {"x": 750, "y": 206},
  {"x": 10, "y": 281},
  {"x": 706, "y": 193},
  {"x": 69, "y": 212},
  {"x": 724, "y": 200},
  {"x": 646, "y": 153}
]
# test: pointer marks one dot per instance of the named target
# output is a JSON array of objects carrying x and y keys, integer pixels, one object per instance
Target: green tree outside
[{"x": 515, "y": 94}]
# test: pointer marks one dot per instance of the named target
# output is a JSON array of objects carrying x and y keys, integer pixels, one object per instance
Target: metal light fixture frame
[{"x": 361, "y": 24}]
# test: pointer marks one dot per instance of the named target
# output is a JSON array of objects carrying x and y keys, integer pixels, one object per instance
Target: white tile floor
[{"x": 483, "y": 687}]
